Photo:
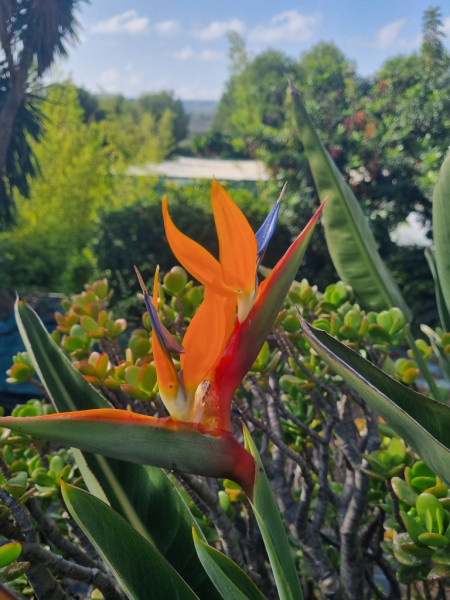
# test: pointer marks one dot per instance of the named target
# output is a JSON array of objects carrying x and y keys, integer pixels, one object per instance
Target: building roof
[{"x": 184, "y": 167}]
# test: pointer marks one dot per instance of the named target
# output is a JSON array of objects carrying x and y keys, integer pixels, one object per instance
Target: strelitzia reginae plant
[{"x": 220, "y": 345}]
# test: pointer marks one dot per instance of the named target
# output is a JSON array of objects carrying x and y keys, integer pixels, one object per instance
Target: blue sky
[{"x": 144, "y": 46}]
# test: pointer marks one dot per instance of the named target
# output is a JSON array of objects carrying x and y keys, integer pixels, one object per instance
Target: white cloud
[
  {"x": 288, "y": 26},
  {"x": 113, "y": 80},
  {"x": 218, "y": 29},
  {"x": 199, "y": 90},
  {"x": 126, "y": 22},
  {"x": 187, "y": 53},
  {"x": 184, "y": 54},
  {"x": 109, "y": 80},
  {"x": 166, "y": 28},
  {"x": 446, "y": 26},
  {"x": 389, "y": 36},
  {"x": 209, "y": 55}
]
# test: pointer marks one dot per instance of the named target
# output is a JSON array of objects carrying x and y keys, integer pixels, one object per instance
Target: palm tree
[{"x": 32, "y": 34}]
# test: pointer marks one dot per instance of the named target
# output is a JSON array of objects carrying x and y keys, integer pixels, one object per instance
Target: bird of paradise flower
[{"x": 220, "y": 345}]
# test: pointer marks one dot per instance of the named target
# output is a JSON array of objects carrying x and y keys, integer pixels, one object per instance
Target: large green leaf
[
  {"x": 421, "y": 421},
  {"x": 441, "y": 228},
  {"x": 153, "y": 506},
  {"x": 272, "y": 530},
  {"x": 141, "y": 570},
  {"x": 141, "y": 494},
  {"x": 229, "y": 579},
  {"x": 444, "y": 314},
  {"x": 349, "y": 239}
]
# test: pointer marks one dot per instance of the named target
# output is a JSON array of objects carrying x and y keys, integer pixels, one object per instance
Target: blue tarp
[{"x": 11, "y": 343}]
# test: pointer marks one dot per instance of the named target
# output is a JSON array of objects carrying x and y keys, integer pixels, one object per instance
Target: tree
[
  {"x": 143, "y": 130},
  {"x": 433, "y": 51},
  {"x": 139, "y": 138},
  {"x": 387, "y": 136},
  {"x": 409, "y": 108},
  {"x": 158, "y": 104},
  {"x": 90, "y": 103},
  {"x": 32, "y": 33},
  {"x": 48, "y": 248},
  {"x": 254, "y": 101}
]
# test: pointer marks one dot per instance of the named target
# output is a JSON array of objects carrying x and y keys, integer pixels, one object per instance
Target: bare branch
[{"x": 210, "y": 502}]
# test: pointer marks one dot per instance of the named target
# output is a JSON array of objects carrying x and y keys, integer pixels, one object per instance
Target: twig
[
  {"x": 284, "y": 498},
  {"x": 111, "y": 347},
  {"x": 351, "y": 551},
  {"x": 395, "y": 593},
  {"x": 323, "y": 494},
  {"x": 48, "y": 528},
  {"x": 106, "y": 584},
  {"x": 285, "y": 344},
  {"x": 259, "y": 424},
  {"x": 41, "y": 579},
  {"x": 346, "y": 434},
  {"x": 225, "y": 529},
  {"x": 82, "y": 538},
  {"x": 20, "y": 514},
  {"x": 371, "y": 584},
  {"x": 288, "y": 415}
]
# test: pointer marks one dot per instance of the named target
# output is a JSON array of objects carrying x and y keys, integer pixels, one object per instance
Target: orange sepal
[
  {"x": 199, "y": 262},
  {"x": 169, "y": 387},
  {"x": 237, "y": 241},
  {"x": 206, "y": 337}
]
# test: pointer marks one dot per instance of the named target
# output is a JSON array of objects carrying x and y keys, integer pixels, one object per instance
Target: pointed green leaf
[
  {"x": 444, "y": 314},
  {"x": 349, "y": 239},
  {"x": 272, "y": 530},
  {"x": 422, "y": 422},
  {"x": 141, "y": 570},
  {"x": 164, "y": 517},
  {"x": 441, "y": 228},
  {"x": 231, "y": 581}
]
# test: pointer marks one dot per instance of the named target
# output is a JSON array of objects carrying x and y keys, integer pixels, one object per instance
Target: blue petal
[
  {"x": 165, "y": 338},
  {"x": 265, "y": 232},
  {"x": 168, "y": 343}
]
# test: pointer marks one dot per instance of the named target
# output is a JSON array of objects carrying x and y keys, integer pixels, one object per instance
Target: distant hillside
[{"x": 201, "y": 113}]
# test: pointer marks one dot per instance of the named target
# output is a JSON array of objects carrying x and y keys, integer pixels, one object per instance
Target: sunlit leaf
[
  {"x": 349, "y": 239},
  {"x": 444, "y": 314},
  {"x": 230, "y": 580},
  {"x": 441, "y": 228},
  {"x": 272, "y": 530}
]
